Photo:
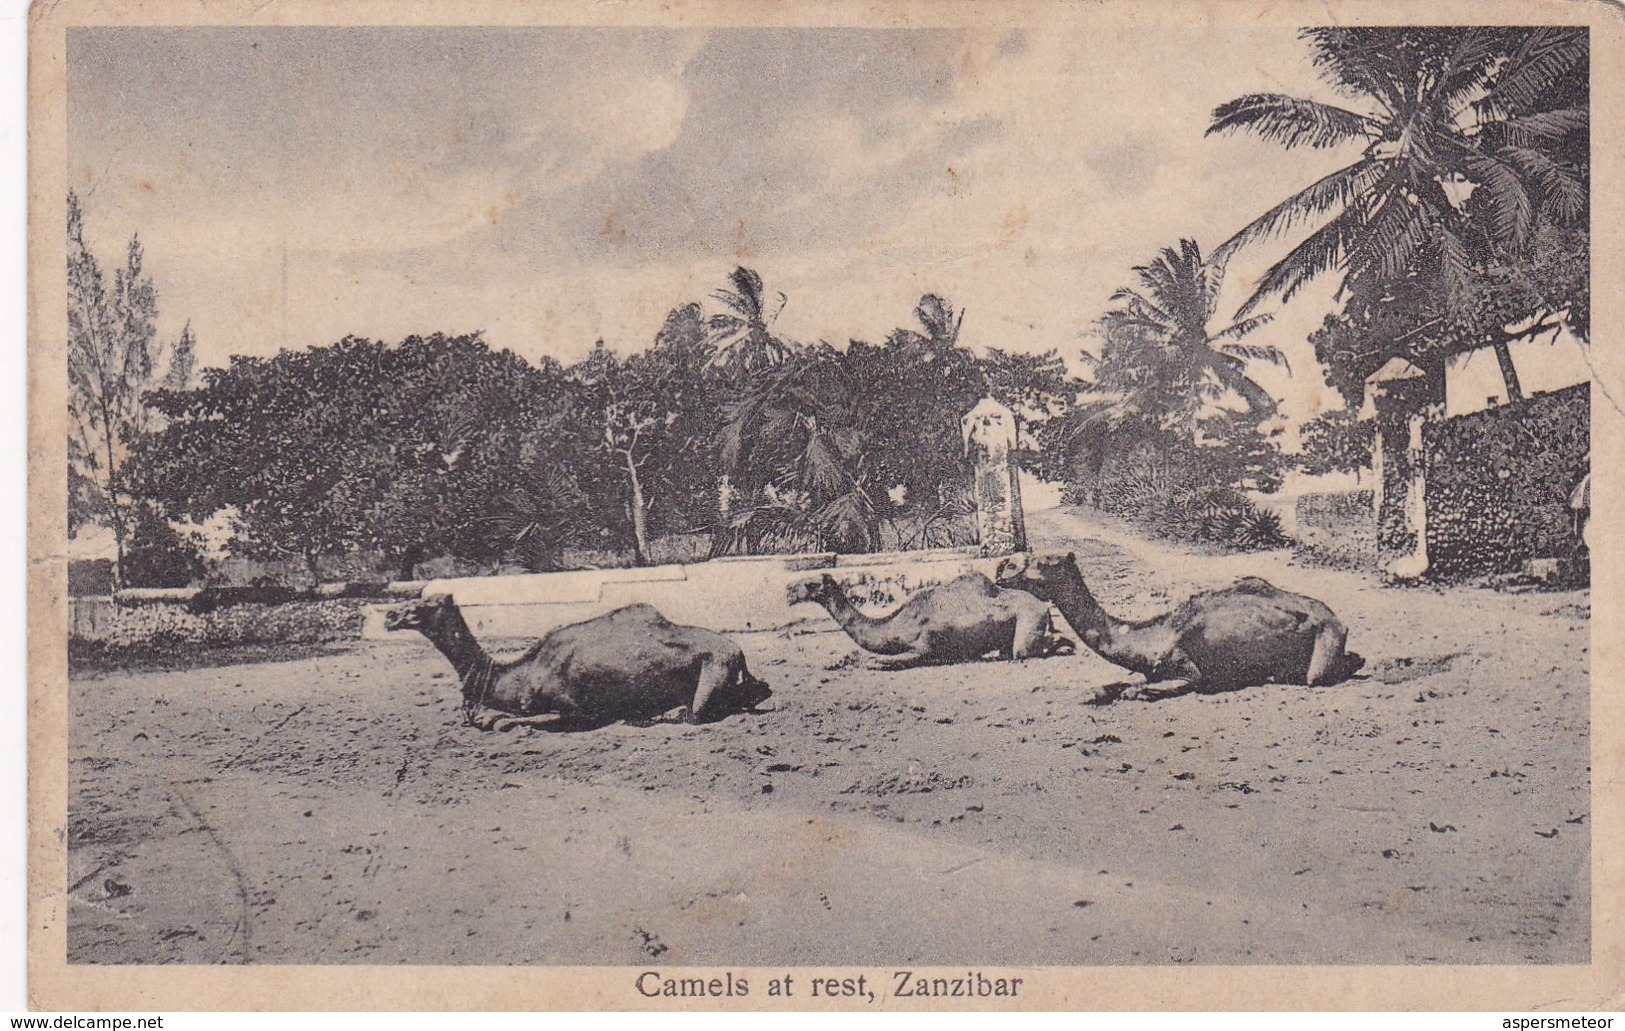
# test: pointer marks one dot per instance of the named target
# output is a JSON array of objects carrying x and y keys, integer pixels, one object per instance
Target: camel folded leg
[
  {"x": 1035, "y": 637},
  {"x": 562, "y": 714},
  {"x": 1152, "y": 692},
  {"x": 1327, "y": 664},
  {"x": 1187, "y": 678},
  {"x": 718, "y": 675},
  {"x": 902, "y": 660}
]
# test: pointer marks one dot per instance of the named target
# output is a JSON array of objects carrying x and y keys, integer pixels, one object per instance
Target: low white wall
[{"x": 731, "y": 595}]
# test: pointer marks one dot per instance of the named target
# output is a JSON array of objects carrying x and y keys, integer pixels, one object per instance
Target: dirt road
[{"x": 336, "y": 810}]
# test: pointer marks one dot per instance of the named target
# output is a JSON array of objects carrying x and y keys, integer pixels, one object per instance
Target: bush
[{"x": 173, "y": 632}]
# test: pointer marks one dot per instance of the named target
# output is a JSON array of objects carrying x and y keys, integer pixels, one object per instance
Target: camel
[
  {"x": 630, "y": 664},
  {"x": 959, "y": 621},
  {"x": 1249, "y": 633}
]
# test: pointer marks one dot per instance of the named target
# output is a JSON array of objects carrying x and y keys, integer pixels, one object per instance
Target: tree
[
  {"x": 795, "y": 445},
  {"x": 158, "y": 555},
  {"x": 1162, "y": 374},
  {"x": 1505, "y": 301},
  {"x": 113, "y": 359},
  {"x": 940, "y": 321},
  {"x": 1161, "y": 362},
  {"x": 1336, "y": 441},
  {"x": 410, "y": 450},
  {"x": 454, "y": 419},
  {"x": 290, "y": 442},
  {"x": 647, "y": 411},
  {"x": 740, "y": 333},
  {"x": 1473, "y": 138},
  {"x": 911, "y": 392},
  {"x": 1032, "y": 386}
]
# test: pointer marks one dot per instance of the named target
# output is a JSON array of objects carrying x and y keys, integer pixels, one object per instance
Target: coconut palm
[
  {"x": 1160, "y": 366},
  {"x": 741, "y": 333},
  {"x": 1161, "y": 362},
  {"x": 939, "y": 319},
  {"x": 794, "y": 443},
  {"x": 1470, "y": 137}
]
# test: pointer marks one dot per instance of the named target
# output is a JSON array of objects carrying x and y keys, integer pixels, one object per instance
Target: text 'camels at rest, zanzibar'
[{"x": 1249, "y": 633}]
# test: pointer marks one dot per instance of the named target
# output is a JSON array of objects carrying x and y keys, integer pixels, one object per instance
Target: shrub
[{"x": 172, "y": 632}]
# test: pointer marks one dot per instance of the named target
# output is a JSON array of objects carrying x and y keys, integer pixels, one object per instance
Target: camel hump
[
  {"x": 1254, "y": 585},
  {"x": 971, "y": 580},
  {"x": 638, "y": 612}
]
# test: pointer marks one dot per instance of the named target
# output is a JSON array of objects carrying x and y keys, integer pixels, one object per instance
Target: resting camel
[
  {"x": 1249, "y": 633},
  {"x": 628, "y": 664},
  {"x": 959, "y": 621}
]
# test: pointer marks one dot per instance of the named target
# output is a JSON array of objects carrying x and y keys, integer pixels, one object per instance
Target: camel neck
[
  {"x": 867, "y": 632},
  {"x": 456, "y": 642},
  {"x": 1114, "y": 639}
]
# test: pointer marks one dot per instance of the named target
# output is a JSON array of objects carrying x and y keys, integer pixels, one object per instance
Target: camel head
[
  {"x": 1040, "y": 574},
  {"x": 424, "y": 615},
  {"x": 815, "y": 591},
  {"x": 1011, "y": 570},
  {"x": 752, "y": 692}
]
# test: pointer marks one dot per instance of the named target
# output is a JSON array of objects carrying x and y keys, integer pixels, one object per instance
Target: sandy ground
[{"x": 336, "y": 810}]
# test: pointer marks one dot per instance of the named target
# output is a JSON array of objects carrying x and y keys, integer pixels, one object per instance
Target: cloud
[{"x": 557, "y": 185}]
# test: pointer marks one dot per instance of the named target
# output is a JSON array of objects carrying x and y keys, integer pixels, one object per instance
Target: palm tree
[
  {"x": 939, "y": 319},
  {"x": 1160, "y": 365},
  {"x": 794, "y": 443},
  {"x": 1161, "y": 362},
  {"x": 741, "y": 335},
  {"x": 1470, "y": 138}
]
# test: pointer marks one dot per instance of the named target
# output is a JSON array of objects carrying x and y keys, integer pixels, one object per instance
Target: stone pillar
[
  {"x": 989, "y": 432},
  {"x": 1401, "y": 398}
]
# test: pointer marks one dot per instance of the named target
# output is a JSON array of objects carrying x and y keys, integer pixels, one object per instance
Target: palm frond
[
  {"x": 1455, "y": 265},
  {"x": 748, "y": 286},
  {"x": 1468, "y": 69},
  {"x": 1394, "y": 229},
  {"x": 1561, "y": 189},
  {"x": 1257, "y": 353},
  {"x": 1546, "y": 55},
  {"x": 1140, "y": 306},
  {"x": 1328, "y": 195},
  {"x": 1323, "y": 250},
  {"x": 1259, "y": 403},
  {"x": 1510, "y": 210},
  {"x": 1241, "y": 328},
  {"x": 1359, "y": 62},
  {"x": 1544, "y": 126},
  {"x": 1291, "y": 121}
]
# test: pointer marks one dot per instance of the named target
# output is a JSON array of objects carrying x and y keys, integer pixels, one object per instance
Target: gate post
[{"x": 989, "y": 432}]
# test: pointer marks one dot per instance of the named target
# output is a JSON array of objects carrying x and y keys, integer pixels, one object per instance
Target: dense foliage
[{"x": 440, "y": 446}]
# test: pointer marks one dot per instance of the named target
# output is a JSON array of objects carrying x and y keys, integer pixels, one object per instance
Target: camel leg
[
  {"x": 902, "y": 660},
  {"x": 502, "y": 722},
  {"x": 1032, "y": 636},
  {"x": 1185, "y": 679},
  {"x": 1154, "y": 692},
  {"x": 718, "y": 673},
  {"x": 1326, "y": 665}
]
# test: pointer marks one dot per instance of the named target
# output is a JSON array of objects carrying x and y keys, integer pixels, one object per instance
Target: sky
[{"x": 554, "y": 186}]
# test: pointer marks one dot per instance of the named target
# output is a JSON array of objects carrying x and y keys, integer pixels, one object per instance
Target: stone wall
[
  {"x": 1338, "y": 528},
  {"x": 1498, "y": 483},
  {"x": 730, "y": 595}
]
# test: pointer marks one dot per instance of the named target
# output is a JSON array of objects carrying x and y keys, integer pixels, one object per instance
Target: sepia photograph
[{"x": 819, "y": 507}]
